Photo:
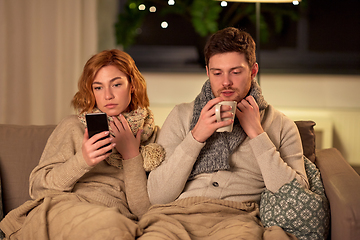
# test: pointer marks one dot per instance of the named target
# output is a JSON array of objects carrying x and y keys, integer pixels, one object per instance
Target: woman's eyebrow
[
  {"x": 115, "y": 78},
  {"x": 111, "y": 80}
]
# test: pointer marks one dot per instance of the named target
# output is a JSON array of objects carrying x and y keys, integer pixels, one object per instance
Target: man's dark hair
[{"x": 231, "y": 39}]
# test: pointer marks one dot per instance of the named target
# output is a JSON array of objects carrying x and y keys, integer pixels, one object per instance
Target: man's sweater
[
  {"x": 62, "y": 168},
  {"x": 270, "y": 160}
]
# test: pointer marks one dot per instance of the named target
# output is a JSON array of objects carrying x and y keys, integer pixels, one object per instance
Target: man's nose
[{"x": 227, "y": 81}]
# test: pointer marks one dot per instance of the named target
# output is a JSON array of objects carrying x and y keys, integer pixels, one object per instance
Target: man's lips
[{"x": 227, "y": 93}]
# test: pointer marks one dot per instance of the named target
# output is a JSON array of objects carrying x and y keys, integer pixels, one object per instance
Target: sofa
[{"x": 22, "y": 146}]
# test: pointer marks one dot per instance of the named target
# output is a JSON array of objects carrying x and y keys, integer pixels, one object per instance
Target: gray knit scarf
[{"x": 219, "y": 146}]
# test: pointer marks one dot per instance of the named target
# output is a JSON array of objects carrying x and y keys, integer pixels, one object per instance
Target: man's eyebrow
[
  {"x": 237, "y": 67},
  {"x": 113, "y": 79}
]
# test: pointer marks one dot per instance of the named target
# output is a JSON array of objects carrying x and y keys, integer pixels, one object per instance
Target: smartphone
[{"x": 97, "y": 123}]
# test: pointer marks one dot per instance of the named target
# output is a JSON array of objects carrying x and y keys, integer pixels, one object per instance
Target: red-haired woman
[{"x": 79, "y": 190}]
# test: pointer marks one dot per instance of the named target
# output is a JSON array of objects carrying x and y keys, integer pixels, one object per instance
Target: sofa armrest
[{"x": 342, "y": 188}]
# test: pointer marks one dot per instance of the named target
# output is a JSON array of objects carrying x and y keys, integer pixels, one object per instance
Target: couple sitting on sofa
[{"x": 202, "y": 184}]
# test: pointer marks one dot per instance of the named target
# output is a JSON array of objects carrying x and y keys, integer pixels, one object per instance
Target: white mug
[{"x": 218, "y": 115}]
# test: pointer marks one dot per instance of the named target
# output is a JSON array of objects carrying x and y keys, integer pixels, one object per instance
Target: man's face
[{"x": 230, "y": 75}]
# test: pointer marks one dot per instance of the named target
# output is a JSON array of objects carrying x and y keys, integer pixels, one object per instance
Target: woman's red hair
[{"x": 84, "y": 99}]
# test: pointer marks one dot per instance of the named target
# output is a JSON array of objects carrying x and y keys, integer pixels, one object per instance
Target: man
[{"x": 210, "y": 183}]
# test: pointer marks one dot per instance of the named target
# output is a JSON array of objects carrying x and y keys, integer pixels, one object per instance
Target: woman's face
[{"x": 112, "y": 90}]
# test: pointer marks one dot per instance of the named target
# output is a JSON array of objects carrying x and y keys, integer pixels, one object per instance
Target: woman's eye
[
  {"x": 97, "y": 88},
  {"x": 117, "y": 85}
]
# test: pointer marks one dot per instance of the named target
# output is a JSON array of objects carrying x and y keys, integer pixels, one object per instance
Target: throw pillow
[
  {"x": 307, "y": 134},
  {"x": 302, "y": 212}
]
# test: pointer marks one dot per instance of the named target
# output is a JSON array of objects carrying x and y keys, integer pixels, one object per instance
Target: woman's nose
[{"x": 108, "y": 94}]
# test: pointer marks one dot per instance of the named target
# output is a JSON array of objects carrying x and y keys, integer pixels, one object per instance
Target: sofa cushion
[
  {"x": 307, "y": 134},
  {"x": 20, "y": 151}
]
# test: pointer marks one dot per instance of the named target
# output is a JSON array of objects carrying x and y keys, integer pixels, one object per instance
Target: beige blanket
[
  {"x": 67, "y": 216},
  {"x": 200, "y": 218}
]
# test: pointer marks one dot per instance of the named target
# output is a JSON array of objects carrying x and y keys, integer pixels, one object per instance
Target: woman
[{"x": 78, "y": 188}]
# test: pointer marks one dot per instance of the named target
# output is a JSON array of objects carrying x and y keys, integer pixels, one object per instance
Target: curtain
[{"x": 44, "y": 45}]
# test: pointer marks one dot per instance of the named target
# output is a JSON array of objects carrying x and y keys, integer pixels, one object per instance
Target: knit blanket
[
  {"x": 67, "y": 216},
  {"x": 141, "y": 118},
  {"x": 219, "y": 146},
  {"x": 200, "y": 218}
]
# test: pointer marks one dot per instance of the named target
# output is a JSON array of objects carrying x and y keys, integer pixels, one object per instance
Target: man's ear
[
  {"x": 207, "y": 70},
  {"x": 254, "y": 70}
]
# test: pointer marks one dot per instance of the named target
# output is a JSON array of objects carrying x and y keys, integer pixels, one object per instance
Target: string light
[
  {"x": 164, "y": 24},
  {"x": 152, "y": 9},
  {"x": 171, "y": 2},
  {"x": 223, "y": 3},
  {"x": 142, "y": 7},
  {"x": 296, "y": 2}
]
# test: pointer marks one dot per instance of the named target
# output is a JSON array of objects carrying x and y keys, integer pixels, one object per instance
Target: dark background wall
[{"x": 326, "y": 38}]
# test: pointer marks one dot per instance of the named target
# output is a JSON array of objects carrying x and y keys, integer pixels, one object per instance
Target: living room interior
[{"x": 311, "y": 72}]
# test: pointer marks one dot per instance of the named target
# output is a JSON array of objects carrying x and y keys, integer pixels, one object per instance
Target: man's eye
[
  {"x": 216, "y": 73},
  {"x": 236, "y": 72}
]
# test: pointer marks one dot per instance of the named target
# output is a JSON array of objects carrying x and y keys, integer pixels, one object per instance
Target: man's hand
[
  {"x": 91, "y": 150},
  {"x": 207, "y": 123},
  {"x": 249, "y": 116}
]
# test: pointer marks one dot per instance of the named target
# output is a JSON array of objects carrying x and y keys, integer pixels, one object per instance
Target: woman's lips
[{"x": 110, "y": 105}]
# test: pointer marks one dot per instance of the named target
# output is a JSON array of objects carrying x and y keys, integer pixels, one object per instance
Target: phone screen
[{"x": 97, "y": 123}]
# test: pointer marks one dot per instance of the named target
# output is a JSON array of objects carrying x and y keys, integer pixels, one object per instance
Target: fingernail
[{"x": 106, "y": 133}]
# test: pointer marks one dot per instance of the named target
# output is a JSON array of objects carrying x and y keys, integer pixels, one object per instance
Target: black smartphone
[{"x": 97, "y": 123}]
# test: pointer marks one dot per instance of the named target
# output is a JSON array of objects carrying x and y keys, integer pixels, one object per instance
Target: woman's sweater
[
  {"x": 270, "y": 160},
  {"x": 62, "y": 168}
]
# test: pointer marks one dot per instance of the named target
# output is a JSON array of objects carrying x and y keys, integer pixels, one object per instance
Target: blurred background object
[{"x": 310, "y": 56}]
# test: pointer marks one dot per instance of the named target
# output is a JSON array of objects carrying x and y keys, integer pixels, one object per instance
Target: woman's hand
[
  {"x": 91, "y": 148},
  {"x": 126, "y": 144},
  {"x": 249, "y": 117}
]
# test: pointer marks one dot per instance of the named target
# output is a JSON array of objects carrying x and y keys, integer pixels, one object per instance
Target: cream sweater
[
  {"x": 63, "y": 168},
  {"x": 270, "y": 160}
]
